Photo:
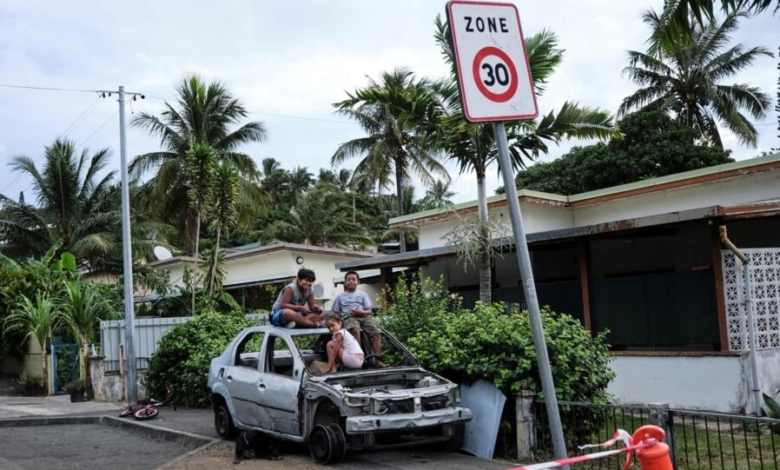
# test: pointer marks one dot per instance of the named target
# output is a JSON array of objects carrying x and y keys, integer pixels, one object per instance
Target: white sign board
[{"x": 495, "y": 79}]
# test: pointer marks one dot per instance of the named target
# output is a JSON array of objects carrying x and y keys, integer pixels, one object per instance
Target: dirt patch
[{"x": 220, "y": 457}]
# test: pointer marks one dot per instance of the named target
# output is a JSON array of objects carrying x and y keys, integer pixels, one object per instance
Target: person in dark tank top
[{"x": 296, "y": 305}]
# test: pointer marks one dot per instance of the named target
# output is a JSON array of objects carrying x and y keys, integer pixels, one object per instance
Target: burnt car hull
[{"x": 264, "y": 380}]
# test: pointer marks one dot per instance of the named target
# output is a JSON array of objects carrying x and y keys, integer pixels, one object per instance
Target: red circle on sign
[{"x": 497, "y": 97}]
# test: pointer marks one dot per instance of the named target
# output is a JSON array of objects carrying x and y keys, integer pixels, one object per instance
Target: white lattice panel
[{"x": 765, "y": 286}]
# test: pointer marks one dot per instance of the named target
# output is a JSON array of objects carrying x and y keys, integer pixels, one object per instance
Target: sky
[{"x": 289, "y": 62}]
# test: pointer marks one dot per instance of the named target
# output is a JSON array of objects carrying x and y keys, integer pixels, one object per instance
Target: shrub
[
  {"x": 416, "y": 305},
  {"x": 184, "y": 354},
  {"x": 31, "y": 385},
  {"x": 487, "y": 343}
]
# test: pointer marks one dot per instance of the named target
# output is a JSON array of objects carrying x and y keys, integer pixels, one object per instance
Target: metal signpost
[{"x": 496, "y": 86}]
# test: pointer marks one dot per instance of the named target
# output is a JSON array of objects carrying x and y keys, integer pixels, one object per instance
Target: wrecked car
[{"x": 268, "y": 379}]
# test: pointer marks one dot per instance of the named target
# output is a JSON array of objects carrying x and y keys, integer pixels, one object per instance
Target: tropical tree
[
  {"x": 300, "y": 179},
  {"x": 202, "y": 114},
  {"x": 83, "y": 306},
  {"x": 321, "y": 217},
  {"x": 653, "y": 144},
  {"x": 437, "y": 196},
  {"x": 685, "y": 79},
  {"x": 396, "y": 148},
  {"x": 38, "y": 319},
  {"x": 75, "y": 204},
  {"x": 472, "y": 146},
  {"x": 225, "y": 199},
  {"x": 680, "y": 16}
]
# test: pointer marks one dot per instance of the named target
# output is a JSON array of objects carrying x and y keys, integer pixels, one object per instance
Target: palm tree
[
  {"x": 75, "y": 203},
  {"x": 320, "y": 218},
  {"x": 225, "y": 199},
  {"x": 680, "y": 16},
  {"x": 437, "y": 196},
  {"x": 473, "y": 145},
  {"x": 38, "y": 319},
  {"x": 200, "y": 165},
  {"x": 396, "y": 147},
  {"x": 83, "y": 307},
  {"x": 684, "y": 79},
  {"x": 300, "y": 179},
  {"x": 202, "y": 114}
]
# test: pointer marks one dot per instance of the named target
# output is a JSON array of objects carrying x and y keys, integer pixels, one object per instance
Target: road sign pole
[{"x": 529, "y": 289}]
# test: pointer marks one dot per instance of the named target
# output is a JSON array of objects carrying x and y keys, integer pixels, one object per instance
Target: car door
[
  {"x": 242, "y": 378},
  {"x": 278, "y": 386}
]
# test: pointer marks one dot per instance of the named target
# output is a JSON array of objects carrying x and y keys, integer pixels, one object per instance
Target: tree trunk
[
  {"x": 485, "y": 274},
  {"x": 83, "y": 362},
  {"x": 194, "y": 279},
  {"x": 213, "y": 276},
  {"x": 191, "y": 231},
  {"x": 399, "y": 191},
  {"x": 46, "y": 381}
]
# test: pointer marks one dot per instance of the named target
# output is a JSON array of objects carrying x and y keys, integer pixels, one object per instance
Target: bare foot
[
  {"x": 332, "y": 371},
  {"x": 380, "y": 364}
]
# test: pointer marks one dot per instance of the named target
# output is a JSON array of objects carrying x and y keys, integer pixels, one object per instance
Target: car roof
[{"x": 290, "y": 331}]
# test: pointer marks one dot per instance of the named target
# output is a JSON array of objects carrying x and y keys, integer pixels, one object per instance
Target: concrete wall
[
  {"x": 715, "y": 383},
  {"x": 536, "y": 218},
  {"x": 750, "y": 188}
]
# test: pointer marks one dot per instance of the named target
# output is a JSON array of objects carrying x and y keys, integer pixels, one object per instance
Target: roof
[
  {"x": 677, "y": 180},
  {"x": 246, "y": 251},
  {"x": 414, "y": 258}
]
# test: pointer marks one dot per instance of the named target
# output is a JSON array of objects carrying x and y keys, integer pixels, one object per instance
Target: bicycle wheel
[{"x": 147, "y": 412}]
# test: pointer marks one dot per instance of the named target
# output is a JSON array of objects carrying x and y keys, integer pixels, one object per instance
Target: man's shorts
[{"x": 364, "y": 323}]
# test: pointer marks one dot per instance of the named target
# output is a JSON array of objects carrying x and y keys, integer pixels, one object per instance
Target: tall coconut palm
[
  {"x": 321, "y": 217},
  {"x": 437, "y": 196},
  {"x": 396, "y": 147},
  {"x": 680, "y": 16},
  {"x": 472, "y": 146},
  {"x": 76, "y": 202},
  {"x": 685, "y": 79},
  {"x": 202, "y": 114}
]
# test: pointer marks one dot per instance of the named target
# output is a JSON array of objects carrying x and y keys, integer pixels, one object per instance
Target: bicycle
[{"x": 150, "y": 410}]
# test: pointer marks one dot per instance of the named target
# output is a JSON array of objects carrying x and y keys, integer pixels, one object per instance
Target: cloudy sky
[{"x": 288, "y": 61}]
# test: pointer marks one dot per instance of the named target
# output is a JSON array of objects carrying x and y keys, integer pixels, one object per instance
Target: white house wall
[
  {"x": 715, "y": 383},
  {"x": 536, "y": 218},
  {"x": 732, "y": 191}
]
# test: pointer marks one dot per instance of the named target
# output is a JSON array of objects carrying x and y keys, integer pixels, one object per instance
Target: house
[
  {"x": 645, "y": 261},
  {"x": 254, "y": 274}
]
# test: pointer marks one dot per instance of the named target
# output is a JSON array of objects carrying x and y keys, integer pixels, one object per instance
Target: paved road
[{"x": 96, "y": 446}]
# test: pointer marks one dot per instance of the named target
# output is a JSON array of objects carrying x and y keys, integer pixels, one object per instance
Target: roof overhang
[{"x": 421, "y": 257}]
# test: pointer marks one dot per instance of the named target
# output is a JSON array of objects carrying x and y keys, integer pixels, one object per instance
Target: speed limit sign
[{"x": 493, "y": 72}]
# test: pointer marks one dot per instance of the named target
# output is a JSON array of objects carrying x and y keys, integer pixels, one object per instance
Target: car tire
[
  {"x": 320, "y": 444},
  {"x": 339, "y": 443},
  {"x": 223, "y": 422}
]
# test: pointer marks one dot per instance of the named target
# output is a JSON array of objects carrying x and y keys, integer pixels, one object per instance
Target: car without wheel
[{"x": 273, "y": 380}]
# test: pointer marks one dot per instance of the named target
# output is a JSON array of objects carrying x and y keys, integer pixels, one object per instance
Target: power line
[
  {"x": 99, "y": 128},
  {"x": 80, "y": 118},
  {"x": 26, "y": 87},
  {"x": 284, "y": 116}
]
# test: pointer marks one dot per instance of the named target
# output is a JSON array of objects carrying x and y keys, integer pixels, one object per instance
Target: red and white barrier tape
[{"x": 620, "y": 435}]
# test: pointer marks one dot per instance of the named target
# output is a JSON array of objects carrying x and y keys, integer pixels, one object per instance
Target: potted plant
[{"x": 76, "y": 389}]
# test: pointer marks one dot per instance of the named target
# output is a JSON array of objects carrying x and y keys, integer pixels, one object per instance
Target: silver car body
[{"x": 273, "y": 390}]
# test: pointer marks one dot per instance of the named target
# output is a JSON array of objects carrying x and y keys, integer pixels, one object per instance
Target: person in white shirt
[{"x": 342, "y": 345}]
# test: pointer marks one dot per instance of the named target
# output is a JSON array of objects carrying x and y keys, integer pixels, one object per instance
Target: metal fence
[
  {"x": 697, "y": 440},
  {"x": 148, "y": 333}
]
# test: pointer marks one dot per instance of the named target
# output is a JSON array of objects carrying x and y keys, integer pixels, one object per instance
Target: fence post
[
  {"x": 526, "y": 429},
  {"x": 660, "y": 415}
]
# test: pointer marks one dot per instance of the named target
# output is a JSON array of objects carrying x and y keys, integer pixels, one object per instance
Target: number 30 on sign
[{"x": 493, "y": 73}]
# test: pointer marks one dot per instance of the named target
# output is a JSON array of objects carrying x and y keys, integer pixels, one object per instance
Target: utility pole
[{"x": 127, "y": 254}]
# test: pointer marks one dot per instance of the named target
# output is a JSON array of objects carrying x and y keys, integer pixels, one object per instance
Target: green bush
[
  {"x": 466, "y": 345},
  {"x": 183, "y": 356}
]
